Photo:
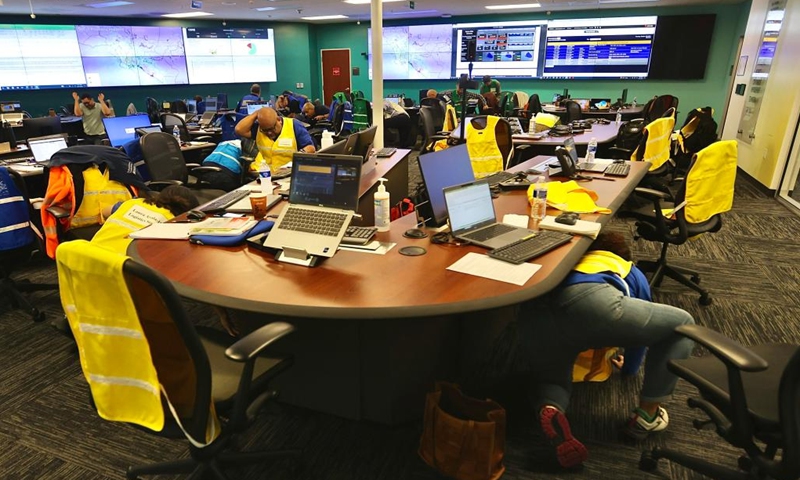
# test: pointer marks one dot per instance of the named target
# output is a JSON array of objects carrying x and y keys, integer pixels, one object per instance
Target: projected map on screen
[
  {"x": 422, "y": 52},
  {"x": 121, "y": 56},
  {"x": 30, "y": 55},
  {"x": 230, "y": 55}
]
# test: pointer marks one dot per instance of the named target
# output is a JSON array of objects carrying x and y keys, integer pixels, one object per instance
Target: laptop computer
[
  {"x": 121, "y": 130},
  {"x": 323, "y": 196},
  {"x": 254, "y": 107},
  {"x": 43, "y": 148},
  {"x": 473, "y": 219},
  {"x": 598, "y": 166},
  {"x": 600, "y": 104},
  {"x": 441, "y": 169},
  {"x": 206, "y": 119}
]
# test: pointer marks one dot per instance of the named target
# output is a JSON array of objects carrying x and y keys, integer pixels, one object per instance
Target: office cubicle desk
[
  {"x": 627, "y": 112},
  {"x": 373, "y": 331}
]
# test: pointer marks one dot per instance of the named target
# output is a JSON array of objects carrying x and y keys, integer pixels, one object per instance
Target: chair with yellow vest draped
[
  {"x": 706, "y": 193},
  {"x": 489, "y": 144},
  {"x": 147, "y": 364}
]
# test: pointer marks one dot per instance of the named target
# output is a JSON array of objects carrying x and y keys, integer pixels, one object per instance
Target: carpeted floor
[{"x": 49, "y": 431}]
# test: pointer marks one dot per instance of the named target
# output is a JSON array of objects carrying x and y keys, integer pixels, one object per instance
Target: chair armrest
[
  {"x": 204, "y": 169},
  {"x": 192, "y": 165},
  {"x": 203, "y": 138},
  {"x": 652, "y": 194},
  {"x": 162, "y": 184},
  {"x": 57, "y": 212},
  {"x": 620, "y": 153},
  {"x": 727, "y": 350},
  {"x": 251, "y": 345}
]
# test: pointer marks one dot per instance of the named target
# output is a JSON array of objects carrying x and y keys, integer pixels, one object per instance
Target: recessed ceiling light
[
  {"x": 229, "y": 4},
  {"x": 104, "y": 4},
  {"x": 626, "y": 1},
  {"x": 187, "y": 14},
  {"x": 364, "y": 2},
  {"x": 512, "y": 7},
  {"x": 411, "y": 12},
  {"x": 264, "y": 9},
  {"x": 324, "y": 17}
]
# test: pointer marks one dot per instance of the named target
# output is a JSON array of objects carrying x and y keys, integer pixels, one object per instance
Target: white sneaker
[{"x": 639, "y": 428}]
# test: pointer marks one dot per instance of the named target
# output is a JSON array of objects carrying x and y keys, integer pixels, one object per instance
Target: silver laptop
[
  {"x": 323, "y": 196},
  {"x": 206, "y": 119},
  {"x": 472, "y": 218},
  {"x": 42, "y": 148}
]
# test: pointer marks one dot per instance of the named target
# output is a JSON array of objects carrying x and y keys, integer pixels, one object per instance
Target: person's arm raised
[{"x": 245, "y": 125}]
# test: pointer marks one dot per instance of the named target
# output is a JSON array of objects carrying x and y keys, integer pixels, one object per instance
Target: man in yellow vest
[{"x": 277, "y": 138}]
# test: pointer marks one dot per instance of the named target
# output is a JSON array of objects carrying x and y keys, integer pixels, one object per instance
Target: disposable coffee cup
[{"x": 258, "y": 201}]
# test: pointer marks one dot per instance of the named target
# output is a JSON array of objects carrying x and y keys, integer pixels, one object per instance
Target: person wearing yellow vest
[
  {"x": 276, "y": 137},
  {"x": 604, "y": 302}
]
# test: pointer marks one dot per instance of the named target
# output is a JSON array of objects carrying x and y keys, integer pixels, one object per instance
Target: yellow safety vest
[
  {"x": 279, "y": 152},
  {"x": 98, "y": 193},
  {"x": 710, "y": 181},
  {"x": 131, "y": 216},
  {"x": 570, "y": 197},
  {"x": 484, "y": 154},
  {"x": 657, "y": 149}
]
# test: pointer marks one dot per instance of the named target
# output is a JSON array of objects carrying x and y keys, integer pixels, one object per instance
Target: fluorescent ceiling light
[
  {"x": 512, "y": 7},
  {"x": 324, "y": 17},
  {"x": 411, "y": 12},
  {"x": 625, "y": 1},
  {"x": 187, "y": 14},
  {"x": 264, "y": 9},
  {"x": 365, "y": 2},
  {"x": 105, "y": 4}
]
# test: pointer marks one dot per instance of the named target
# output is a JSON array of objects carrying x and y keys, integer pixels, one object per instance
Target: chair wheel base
[
  {"x": 705, "y": 300},
  {"x": 647, "y": 462}
]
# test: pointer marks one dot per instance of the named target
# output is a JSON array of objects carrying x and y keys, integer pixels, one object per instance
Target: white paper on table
[
  {"x": 382, "y": 248},
  {"x": 493, "y": 269},
  {"x": 516, "y": 220},
  {"x": 166, "y": 231}
]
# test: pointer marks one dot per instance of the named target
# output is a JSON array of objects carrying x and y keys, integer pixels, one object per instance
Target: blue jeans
[{"x": 556, "y": 328}]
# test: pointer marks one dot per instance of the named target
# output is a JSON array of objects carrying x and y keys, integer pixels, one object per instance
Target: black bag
[{"x": 699, "y": 130}]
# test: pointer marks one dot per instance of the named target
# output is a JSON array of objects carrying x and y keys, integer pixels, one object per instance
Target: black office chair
[
  {"x": 179, "y": 106},
  {"x": 164, "y": 160},
  {"x": 197, "y": 373},
  {"x": 706, "y": 193},
  {"x": 431, "y": 127},
  {"x": 658, "y": 105},
  {"x": 751, "y": 397},
  {"x": 574, "y": 111},
  {"x": 170, "y": 120},
  {"x": 153, "y": 110},
  {"x": 18, "y": 242}
]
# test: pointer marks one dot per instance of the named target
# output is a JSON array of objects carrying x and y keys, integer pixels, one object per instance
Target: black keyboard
[
  {"x": 18, "y": 160},
  {"x": 358, "y": 235},
  {"x": 313, "y": 221},
  {"x": 527, "y": 248},
  {"x": 221, "y": 203},
  {"x": 385, "y": 152},
  {"x": 498, "y": 178},
  {"x": 491, "y": 231},
  {"x": 618, "y": 169}
]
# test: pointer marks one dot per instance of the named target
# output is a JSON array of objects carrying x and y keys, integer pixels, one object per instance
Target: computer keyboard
[
  {"x": 527, "y": 248},
  {"x": 313, "y": 221},
  {"x": 220, "y": 203},
  {"x": 498, "y": 178},
  {"x": 11, "y": 161},
  {"x": 282, "y": 172},
  {"x": 385, "y": 152},
  {"x": 358, "y": 235},
  {"x": 618, "y": 169}
]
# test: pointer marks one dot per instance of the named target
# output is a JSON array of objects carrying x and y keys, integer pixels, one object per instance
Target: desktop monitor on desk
[
  {"x": 254, "y": 107},
  {"x": 222, "y": 101},
  {"x": 191, "y": 106},
  {"x": 122, "y": 130},
  {"x": 364, "y": 141},
  {"x": 10, "y": 106},
  {"x": 40, "y": 127},
  {"x": 441, "y": 169},
  {"x": 211, "y": 104},
  {"x": 583, "y": 102}
]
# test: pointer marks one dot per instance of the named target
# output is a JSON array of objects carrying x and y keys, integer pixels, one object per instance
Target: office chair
[
  {"x": 169, "y": 120},
  {"x": 18, "y": 242},
  {"x": 431, "y": 127},
  {"x": 361, "y": 114},
  {"x": 656, "y": 106},
  {"x": 151, "y": 105},
  {"x": 750, "y": 395},
  {"x": 179, "y": 106},
  {"x": 655, "y": 146},
  {"x": 532, "y": 107},
  {"x": 166, "y": 375},
  {"x": 502, "y": 137},
  {"x": 574, "y": 111},
  {"x": 164, "y": 160},
  {"x": 493, "y": 102},
  {"x": 699, "y": 130},
  {"x": 706, "y": 193},
  {"x": 506, "y": 104}
]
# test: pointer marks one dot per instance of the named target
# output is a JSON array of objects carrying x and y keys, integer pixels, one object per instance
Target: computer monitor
[
  {"x": 254, "y": 107},
  {"x": 9, "y": 106},
  {"x": 364, "y": 140},
  {"x": 395, "y": 100},
  {"x": 222, "y": 101},
  {"x": 624, "y": 97},
  {"x": 337, "y": 148},
  {"x": 44, "y": 148},
  {"x": 566, "y": 93},
  {"x": 165, "y": 105},
  {"x": 600, "y": 104},
  {"x": 211, "y": 104},
  {"x": 40, "y": 127},
  {"x": 191, "y": 106},
  {"x": 121, "y": 130},
  {"x": 441, "y": 169}
]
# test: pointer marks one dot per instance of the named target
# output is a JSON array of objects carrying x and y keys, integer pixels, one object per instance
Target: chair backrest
[
  {"x": 163, "y": 157},
  {"x": 361, "y": 114},
  {"x": 170, "y": 120},
  {"x": 656, "y": 106},
  {"x": 698, "y": 131},
  {"x": 428, "y": 121},
  {"x": 179, "y": 106},
  {"x": 493, "y": 102},
  {"x": 506, "y": 104},
  {"x": 502, "y": 134},
  {"x": 15, "y": 226},
  {"x": 152, "y": 109},
  {"x": 656, "y": 144},
  {"x": 534, "y": 105},
  {"x": 708, "y": 187},
  {"x": 630, "y": 134},
  {"x": 573, "y": 111},
  {"x": 520, "y": 99}
]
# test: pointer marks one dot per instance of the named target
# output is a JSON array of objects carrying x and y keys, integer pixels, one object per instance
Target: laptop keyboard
[
  {"x": 489, "y": 232},
  {"x": 313, "y": 221},
  {"x": 527, "y": 248}
]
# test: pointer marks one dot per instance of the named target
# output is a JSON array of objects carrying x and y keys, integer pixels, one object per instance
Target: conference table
[
  {"x": 546, "y": 145},
  {"x": 626, "y": 112},
  {"x": 373, "y": 331}
]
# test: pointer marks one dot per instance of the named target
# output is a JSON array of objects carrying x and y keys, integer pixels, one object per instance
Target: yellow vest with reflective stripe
[
  {"x": 710, "y": 181},
  {"x": 98, "y": 193},
  {"x": 658, "y": 146},
  {"x": 131, "y": 216},
  {"x": 279, "y": 152},
  {"x": 484, "y": 154}
]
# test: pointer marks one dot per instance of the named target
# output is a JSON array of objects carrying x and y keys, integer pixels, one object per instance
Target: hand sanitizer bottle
[{"x": 382, "y": 207}]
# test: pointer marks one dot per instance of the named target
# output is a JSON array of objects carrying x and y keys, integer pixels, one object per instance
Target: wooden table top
[{"x": 364, "y": 285}]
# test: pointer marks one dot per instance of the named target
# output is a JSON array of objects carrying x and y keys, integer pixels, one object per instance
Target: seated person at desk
[
  {"x": 312, "y": 113},
  {"x": 454, "y": 97},
  {"x": 252, "y": 97},
  {"x": 395, "y": 116},
  {"x": 200, "y": 105},
  {"x": 604, "y": 302},
  {"x": 277, "y": 138},
  {"x": 92, "y": 116}
]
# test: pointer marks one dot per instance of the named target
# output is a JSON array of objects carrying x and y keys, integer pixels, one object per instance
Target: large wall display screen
[
  {"x": 511, "y": 49},
  {"x": 599, "y": 48},
  {"x": 39, "y": 56},
  {"x": 124, "y": 56},
  {"x": 230, "y": 55},
  {"x": 417, "y": 52}
]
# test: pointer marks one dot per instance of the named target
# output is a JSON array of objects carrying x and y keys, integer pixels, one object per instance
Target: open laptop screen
[
  {"x": 254, "y": 107},
  {"x": 43, "y": 149},
  {"x": 469, "y": 206},
  {"x": 441, "y": 169},
  {"x": 122, "y": 130},
  {"x": 325, "y": 180},
  {"x": 600, "y": 104}
]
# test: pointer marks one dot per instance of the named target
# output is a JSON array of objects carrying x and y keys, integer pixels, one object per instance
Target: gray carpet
[{"x": 49, "y": 431}]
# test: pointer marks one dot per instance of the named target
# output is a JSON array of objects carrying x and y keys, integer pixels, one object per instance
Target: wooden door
[{"x": 335, "y": 72}]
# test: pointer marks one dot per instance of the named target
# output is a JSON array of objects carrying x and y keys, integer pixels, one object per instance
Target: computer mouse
[
  {"x": 195, "y": 216},
  {"x": 567, "y": 218},
  {"x": 533, "y": 171},
  {"x": 414, "y": 233}
]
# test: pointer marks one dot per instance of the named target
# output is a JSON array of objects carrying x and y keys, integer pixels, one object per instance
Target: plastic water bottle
[
  {"x": 618, "y": 120},
  {"x": 591, "y": 150},
  {"x": 176, "y": 132},
  {"x": 539, "y": 201},
  {"x": 327, "y": 139},
  {"x": 265, "y": 177},
  {"x": 633, "y": 103}
]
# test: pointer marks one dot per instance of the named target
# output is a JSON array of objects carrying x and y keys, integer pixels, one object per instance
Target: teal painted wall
[
  {"x": 293, "y": 64},
  {"x": 692, "y": 93}
]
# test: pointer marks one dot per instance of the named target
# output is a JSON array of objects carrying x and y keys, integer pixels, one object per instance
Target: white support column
[{"x": 376, "y": 22}]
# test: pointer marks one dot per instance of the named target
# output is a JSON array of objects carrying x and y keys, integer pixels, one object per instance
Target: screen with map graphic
[
  {"x": 230, "y": 55},
  {"x": 32, "y": 53},
  {"x": 417, "y": 52},
  {"x": 510, "y": 49},
  {"x": 123, "y": 56}
]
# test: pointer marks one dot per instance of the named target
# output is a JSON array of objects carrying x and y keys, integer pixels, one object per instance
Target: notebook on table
[
  {"x": 323, "y": 196},
  {"x": 473, "y": 219}
]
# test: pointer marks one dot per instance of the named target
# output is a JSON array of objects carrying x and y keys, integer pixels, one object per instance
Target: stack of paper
[{"x": 581, "y": 227}]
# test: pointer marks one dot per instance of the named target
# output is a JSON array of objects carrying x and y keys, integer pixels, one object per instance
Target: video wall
[
  {"x": 618, "y": 47},
  {"x": 75, "y": 56}
]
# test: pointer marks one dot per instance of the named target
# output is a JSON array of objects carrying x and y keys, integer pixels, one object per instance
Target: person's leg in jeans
[{"x": 584, "y": 316}]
